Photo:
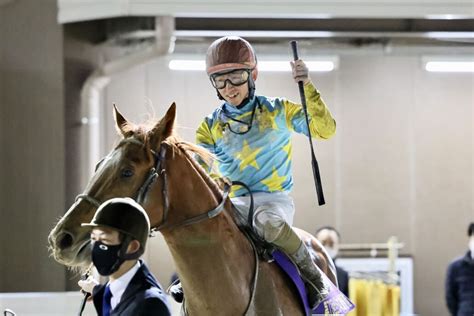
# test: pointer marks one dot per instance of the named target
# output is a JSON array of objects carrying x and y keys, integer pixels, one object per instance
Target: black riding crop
[
  {"x": 86, "y": 296},
  {"x": 314, "y": 162}
]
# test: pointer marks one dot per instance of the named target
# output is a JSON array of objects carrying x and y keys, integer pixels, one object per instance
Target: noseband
[{"x": 158, "y": 169}]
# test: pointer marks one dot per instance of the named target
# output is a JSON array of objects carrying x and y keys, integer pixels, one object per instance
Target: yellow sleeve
[
  {"x": 204, "y": 138},
  {"x": 322, "y": 124}
]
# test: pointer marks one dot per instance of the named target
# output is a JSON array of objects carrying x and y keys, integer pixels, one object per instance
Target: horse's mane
[
  {"x": 141, "y": 132},
  {"x": 208, "y": 159}
]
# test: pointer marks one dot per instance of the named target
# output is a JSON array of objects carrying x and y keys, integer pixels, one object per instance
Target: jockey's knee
[
  {"x": 268, "y": 224},
  {"x": 271, "y": 226}
]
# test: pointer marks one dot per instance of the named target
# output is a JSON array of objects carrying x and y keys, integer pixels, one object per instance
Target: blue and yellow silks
[{"x": 261, "y": 158}]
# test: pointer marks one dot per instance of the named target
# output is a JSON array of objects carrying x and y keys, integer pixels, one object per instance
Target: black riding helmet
[{"x": 126, "y": 216}]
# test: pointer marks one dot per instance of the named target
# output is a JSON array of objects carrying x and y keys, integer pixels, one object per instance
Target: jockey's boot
[
  {"x": 311, "y": 275},
  {"x": 283, "y": 236}
]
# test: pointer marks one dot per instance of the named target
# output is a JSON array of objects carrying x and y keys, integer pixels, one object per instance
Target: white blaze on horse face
[
  {"x": 112, "y": 159},
  {"x": 68, "y": 240}
]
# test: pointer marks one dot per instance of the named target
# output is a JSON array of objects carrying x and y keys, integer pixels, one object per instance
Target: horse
[{"x": 216, "y": 262}]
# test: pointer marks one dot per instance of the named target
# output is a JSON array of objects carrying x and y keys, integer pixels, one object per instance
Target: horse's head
[{"x": 127, "y": 171}]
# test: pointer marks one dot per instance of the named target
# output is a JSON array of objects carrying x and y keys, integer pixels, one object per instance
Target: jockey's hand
[
  {"x": 300, "y": 71},
  {"x": 88, "y": 285}
]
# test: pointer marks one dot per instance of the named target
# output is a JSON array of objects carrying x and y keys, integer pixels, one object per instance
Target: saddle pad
[{"x": 335, "y": 303}]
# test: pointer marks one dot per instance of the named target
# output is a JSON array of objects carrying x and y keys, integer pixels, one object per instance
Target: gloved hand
[
  {"x": 176, "y": 291},
  {"x": 88, "y": 284},
  {"x": 300, "y": 71}
]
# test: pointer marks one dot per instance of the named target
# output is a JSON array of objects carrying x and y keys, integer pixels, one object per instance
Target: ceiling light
[
  {"x": 448, "y": 64},
  {"x": 321, "y": 65}
]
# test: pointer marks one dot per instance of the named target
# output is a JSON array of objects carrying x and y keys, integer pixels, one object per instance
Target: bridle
[{"x": 159, "y": 169}]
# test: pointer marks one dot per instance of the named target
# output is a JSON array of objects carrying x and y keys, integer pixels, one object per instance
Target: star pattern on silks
[
  {"x": 248, "y": 156},
  {"x": 217, "y": 130},
  {"x": 268, "y": 119},
  {"x": 276, "y": 180},
  {"x": 287, "y": 150}
]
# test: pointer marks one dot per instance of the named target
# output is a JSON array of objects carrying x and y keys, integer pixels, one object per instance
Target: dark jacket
[
  {"x": 460, "y": 286},
  {"x": 142, "y": 297},
  {"x": 342, "y": 280}
]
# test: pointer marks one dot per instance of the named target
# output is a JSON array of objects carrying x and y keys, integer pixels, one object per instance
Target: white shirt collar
[{"x": 118, "y": 286}]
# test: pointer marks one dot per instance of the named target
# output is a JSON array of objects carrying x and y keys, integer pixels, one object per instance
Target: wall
[
  {"x": 32, "y": 144},
  {"x": 400, "y": 164}
]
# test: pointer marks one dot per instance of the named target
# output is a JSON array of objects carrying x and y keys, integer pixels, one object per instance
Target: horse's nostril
[{"x": 65, "y": 241}]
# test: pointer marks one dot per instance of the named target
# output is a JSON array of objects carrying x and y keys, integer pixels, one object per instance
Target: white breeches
[{"x": 272, "y": 211}]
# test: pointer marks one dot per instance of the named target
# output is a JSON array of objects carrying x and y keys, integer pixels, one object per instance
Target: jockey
[{"x": 250, "y": 135}]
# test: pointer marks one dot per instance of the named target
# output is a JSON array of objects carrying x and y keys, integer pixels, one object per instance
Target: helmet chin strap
[{"x": 251, "y": 84}]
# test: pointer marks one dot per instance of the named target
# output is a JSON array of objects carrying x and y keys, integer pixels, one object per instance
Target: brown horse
[{"x": 215, "y": 261}]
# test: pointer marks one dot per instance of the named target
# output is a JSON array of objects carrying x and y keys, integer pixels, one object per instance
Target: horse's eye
[{"x": 127, "y": 173}]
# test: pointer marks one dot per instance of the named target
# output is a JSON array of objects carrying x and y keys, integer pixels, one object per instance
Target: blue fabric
[
  {"x": 143, "y": 296},
  {"x": 342, "y": 279},
  {"x": 460, "y": 286},
  {"x": 106, "y": 307},
  {"x": 262, "y": 157},
  {"x": 335, "y": 303}
]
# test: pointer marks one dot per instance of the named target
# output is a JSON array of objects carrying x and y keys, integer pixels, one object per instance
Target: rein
[{"x": 159, "y": 169}]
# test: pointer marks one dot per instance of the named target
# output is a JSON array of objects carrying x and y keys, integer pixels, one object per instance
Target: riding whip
[
  {"x": 85, "y": 276},
  {"x": 314, "y": 162}
]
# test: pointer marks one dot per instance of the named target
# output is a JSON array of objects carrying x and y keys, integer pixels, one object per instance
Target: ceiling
[
  {"x": 341, "y": 26},
  {"x": 341, "y": 35},
  {"x": 82, "y": 10}
]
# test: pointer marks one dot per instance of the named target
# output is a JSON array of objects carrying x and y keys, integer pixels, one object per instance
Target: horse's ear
[
  {"x": 120, "y": 121},
  {"x": 164, "y": 128},
  {"x": 168, "y": 120}
]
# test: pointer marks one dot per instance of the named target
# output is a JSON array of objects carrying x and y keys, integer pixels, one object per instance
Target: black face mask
[{"x": 106, "y": 258}]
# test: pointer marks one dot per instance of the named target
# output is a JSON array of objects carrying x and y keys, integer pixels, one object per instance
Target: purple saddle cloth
[{"x": 334, "y": 303}]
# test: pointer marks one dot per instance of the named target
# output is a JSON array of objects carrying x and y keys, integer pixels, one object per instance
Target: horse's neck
[
  {"x": 212, "y": 257},
  {"x": 213, "y": 261},
  {"x": 208, "y": 246}
]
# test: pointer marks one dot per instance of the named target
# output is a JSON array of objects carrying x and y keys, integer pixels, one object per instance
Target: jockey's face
[
  {"x": 233, "y": 86},
  {"x": 235, "y": 95}
]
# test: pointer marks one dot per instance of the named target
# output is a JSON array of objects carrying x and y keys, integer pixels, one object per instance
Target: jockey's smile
[{"x": 234, "y": 95}]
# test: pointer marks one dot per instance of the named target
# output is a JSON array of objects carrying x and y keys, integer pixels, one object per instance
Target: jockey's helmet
[{"x": 231, "y": 53}]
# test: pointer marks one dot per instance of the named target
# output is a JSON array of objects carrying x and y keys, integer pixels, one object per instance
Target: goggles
[{"x": 235, "y": 77}]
